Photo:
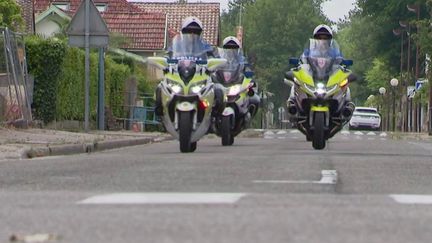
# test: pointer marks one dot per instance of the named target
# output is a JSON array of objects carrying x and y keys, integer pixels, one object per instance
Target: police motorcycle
[
  {"x": 239, "y": 88},
  {"x": 186, "y": 91},
  {"x": 321, "y": 105}
]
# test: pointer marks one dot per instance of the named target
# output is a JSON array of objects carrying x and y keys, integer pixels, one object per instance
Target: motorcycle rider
[
  {"x": 322, "y": 32},
  {"x": 233, "y": 44},
  {"x": 192, "y": 25}
]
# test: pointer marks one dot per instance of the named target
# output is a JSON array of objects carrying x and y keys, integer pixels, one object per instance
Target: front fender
[{"x": 228, "y": 111}]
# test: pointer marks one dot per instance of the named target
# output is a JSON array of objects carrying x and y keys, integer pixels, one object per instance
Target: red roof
[
  {"x": 145, "y": 30},
  {"x": 208, "y": 13}
]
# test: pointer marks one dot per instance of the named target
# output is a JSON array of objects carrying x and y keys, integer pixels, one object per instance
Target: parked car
[{"x": 365, "y": 118}]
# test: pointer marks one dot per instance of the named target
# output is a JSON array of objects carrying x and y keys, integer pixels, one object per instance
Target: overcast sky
[{"x": 334, "y": 9}]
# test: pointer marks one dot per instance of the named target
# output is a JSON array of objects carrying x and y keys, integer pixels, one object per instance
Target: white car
[{"x": 365, "y": 118}]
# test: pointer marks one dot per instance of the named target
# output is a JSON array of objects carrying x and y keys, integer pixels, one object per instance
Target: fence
[
  {"x": 141, "y": 112},
  {"x": 16, "y": 89}
]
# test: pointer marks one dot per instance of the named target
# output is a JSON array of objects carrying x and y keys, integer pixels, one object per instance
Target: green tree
[
  {"x": 378, "y": 76},
  {"x": 10, "y": 15},
  {"x": 276, "y": 30},
  {"x": 424, "y": 37},
  {"x": 368, "y": 35},
  {"x": 231, "y": 19}
]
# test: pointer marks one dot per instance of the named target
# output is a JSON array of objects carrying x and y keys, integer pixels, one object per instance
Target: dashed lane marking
[
  {"x": 164, "y": 198},
  {"x": 328, "y": 177},
  {"x": 412, "y": 198}
]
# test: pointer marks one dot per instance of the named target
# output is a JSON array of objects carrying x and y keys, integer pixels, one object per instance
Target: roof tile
[
  {"x": 208, "y": 13},
  {"x": 145, "y": 29}
]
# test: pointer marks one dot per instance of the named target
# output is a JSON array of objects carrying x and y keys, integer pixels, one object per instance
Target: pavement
[{"x": 30, "y": 143}]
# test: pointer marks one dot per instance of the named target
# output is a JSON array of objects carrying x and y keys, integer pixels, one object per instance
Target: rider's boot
[{"x": 158, "y": 101}]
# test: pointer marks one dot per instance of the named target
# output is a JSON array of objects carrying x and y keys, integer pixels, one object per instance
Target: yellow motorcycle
[
  {"x": 320, "y": 104},
  {"x": 187, "y": 91},
  {"x": 239, "y": 89}
]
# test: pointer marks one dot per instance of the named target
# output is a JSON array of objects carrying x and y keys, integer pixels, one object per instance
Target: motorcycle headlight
[
  {"x": 175, "y": 87},
  {"x": 198, "y": 86},
  {"x": 320, "y": 89}
]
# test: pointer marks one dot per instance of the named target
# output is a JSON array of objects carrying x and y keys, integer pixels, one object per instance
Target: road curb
[{"x": 68, "y": 149}]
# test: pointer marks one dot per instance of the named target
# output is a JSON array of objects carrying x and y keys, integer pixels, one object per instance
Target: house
[
  {"x": 147, "y": 26},
  {"x": 208, "y": 13},
  {"x": 145, "y": 31}
]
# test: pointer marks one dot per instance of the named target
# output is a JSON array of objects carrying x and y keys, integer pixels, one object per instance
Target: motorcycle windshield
[
  {"x": 189, "y": 46},
  {"x": 322, "y": 56},
  {"x": 230, "y": 72}
]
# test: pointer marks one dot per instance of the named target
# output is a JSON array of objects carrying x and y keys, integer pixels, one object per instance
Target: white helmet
[
  {"x": 322, "y": 29},
  {"x": 231, "y": 42},
  {"x": 192, "y": 25}
]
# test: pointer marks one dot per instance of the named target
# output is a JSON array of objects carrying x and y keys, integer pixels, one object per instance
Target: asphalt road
[{"x": 361, "y": 188}]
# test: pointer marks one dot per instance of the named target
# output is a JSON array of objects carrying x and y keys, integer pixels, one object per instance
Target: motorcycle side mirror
[
  {"x": 288, "y": 82},
  {"x": 249, "y": 74},
  {"x": 294, "y": 61},
  {"x": 251, "y": 92},
  {"x": 214, "y": 63},
  {"x": 159, "y": 62},
  {"x": 352, "y": 77},
  {"x": 289, "y": 75},
  {"x": 347, "y": 63}
]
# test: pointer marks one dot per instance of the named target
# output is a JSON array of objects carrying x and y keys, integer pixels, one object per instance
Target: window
[{"x": 102, "y": 7}]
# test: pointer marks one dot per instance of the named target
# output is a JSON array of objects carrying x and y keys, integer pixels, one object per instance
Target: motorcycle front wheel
[
  {"x": 226, "y": 131},
  {"x": 318, "y": 139},
  {"x": 185, "y": 132}
]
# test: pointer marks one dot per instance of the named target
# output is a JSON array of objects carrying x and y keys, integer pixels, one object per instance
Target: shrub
[{"x": 45, "y": 58}]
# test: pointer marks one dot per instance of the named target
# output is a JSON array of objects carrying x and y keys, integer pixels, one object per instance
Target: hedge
[
  {"x": 59, "y": 80},
  {"x": 45, "y": 58}
]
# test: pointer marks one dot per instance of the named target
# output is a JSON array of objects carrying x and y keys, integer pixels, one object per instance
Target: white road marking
[
  {"x": 345, "y": 132},
  {"x": 371, "y": 134},
  {"x": 294, "y": 131},
  {"x": 412, "y": 199},
  {"x": 358, "y": 133},
  {"x": 164, "y": 198},
  {"x": 383, "y": 134},
  {"x": 268, "y": 133},
  {"x": 281, "y": 132},
  {"x": 48, "y": 157},
  {"x": 328, "y": 177}
]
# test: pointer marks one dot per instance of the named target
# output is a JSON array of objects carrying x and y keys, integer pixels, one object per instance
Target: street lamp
[
  {"x": 408, "y": 111},
  {"x": 382, "y": 91},
  {"x": 394, "y": 82},
  {"x": 415, "y": 8}
]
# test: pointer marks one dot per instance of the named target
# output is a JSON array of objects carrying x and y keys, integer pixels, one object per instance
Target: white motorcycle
[{"x": 187, "y": 91}]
